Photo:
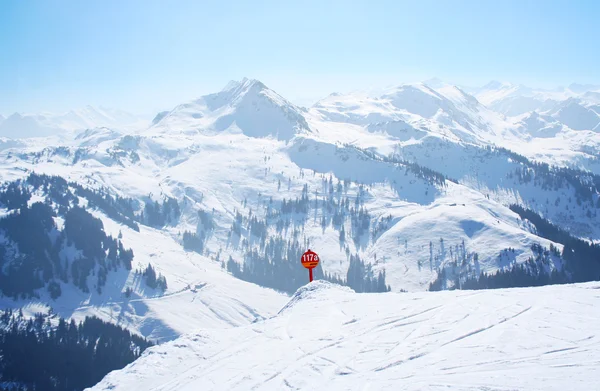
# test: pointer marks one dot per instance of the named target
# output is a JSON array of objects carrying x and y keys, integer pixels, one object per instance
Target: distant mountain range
[{"x": 20, "y": 125}]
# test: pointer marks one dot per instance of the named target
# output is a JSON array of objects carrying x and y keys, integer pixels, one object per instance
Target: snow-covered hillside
[
  {"x": 327, "y": 337},
  {"x": 224, "y": 174},
  {"x": 200, "y": 294}
]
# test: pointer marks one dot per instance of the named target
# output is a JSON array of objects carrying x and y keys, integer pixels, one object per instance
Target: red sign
[{"x": 310, "y": 260}]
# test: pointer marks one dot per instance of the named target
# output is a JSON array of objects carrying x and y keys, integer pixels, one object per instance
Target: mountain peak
[
  {"x": 251, "y": 82},
  {"x": 254, "y": 85},
  {"x": 247, "y": 105},
  {"x": 232, "y": 84},
  {"x": 243, "y": 84}
]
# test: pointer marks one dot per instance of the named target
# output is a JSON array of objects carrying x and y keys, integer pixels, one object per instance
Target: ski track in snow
[{"x": 329, "y": 338}]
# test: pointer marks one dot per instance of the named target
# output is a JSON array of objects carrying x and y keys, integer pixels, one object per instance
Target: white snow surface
[{"x": 328, "y": 337}]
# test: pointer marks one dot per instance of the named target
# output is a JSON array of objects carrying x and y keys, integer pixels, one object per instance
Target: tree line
[
  {"x": 538, "y": 270},
  {"x": 585, "y": 184},
  {"x": 42, "y": 354},
  {"x": 582, "y": 257}
]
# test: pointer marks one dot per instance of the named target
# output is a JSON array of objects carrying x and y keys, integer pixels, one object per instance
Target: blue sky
[{"x": 148, "y": 55}]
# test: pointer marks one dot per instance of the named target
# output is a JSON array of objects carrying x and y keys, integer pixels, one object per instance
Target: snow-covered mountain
[
  {"x": 575, "y": 115},
  {"x": 416, "y": 187},
  {"x": 559, "y": 126},
  {"x": 247, "y": 106},
  {"x": 407, "y": 115},
  {"x": 20, "y": 125},
  {"x": 446, "y": 112},
  {"x": 539, "y": 125},
  {"x": 327, "y": 337}
]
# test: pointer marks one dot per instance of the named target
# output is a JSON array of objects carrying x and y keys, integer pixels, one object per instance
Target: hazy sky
[{"x": 149, "y": 55}]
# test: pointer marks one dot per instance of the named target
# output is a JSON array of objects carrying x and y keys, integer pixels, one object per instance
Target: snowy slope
[
  {"x": 421, "y": 214},
  {"x": 490, "y": 174},
  {"x": 330, "y": 338},
  {"x": 215, "y": 173},
  {"x": 96, "y": 136},
  {"x": 199, "y": 294}
]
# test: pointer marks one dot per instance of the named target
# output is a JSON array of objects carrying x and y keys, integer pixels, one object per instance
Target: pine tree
[{"x": 150, "y": 275}]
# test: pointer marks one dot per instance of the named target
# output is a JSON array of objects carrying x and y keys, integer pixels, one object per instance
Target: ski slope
[{"x": 327, "y": 337}]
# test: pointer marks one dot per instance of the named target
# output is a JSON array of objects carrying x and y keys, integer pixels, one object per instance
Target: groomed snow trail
[{"x": 328, "y": 337}]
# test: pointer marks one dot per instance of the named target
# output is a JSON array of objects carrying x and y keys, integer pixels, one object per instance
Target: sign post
[{"x": 310, "y": 260}]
